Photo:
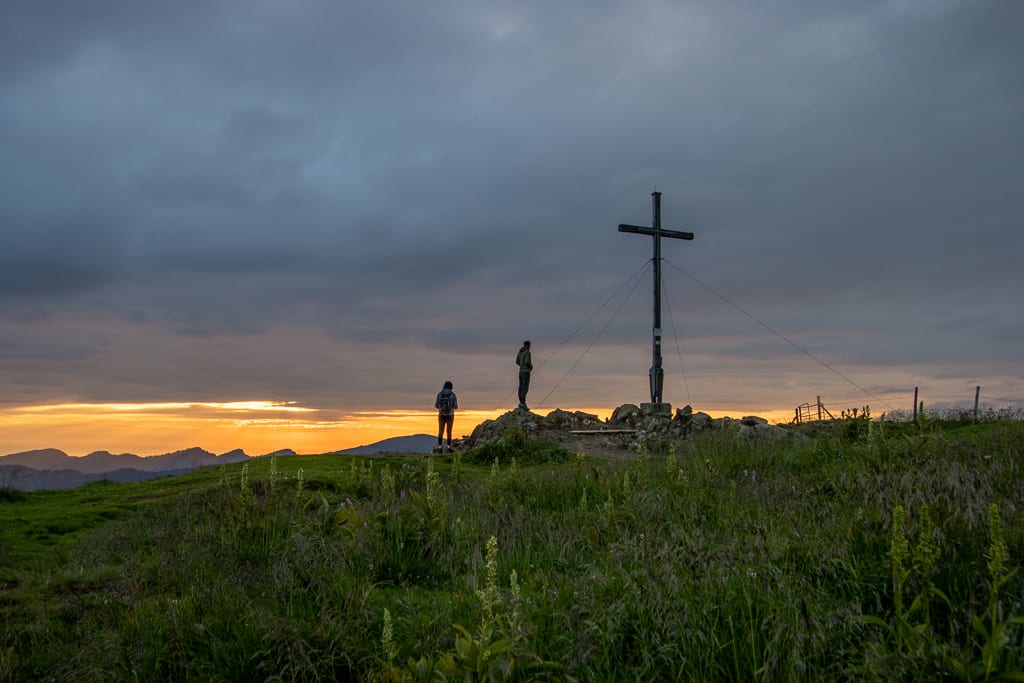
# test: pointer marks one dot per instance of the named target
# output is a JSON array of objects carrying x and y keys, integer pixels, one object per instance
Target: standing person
[
  {"x": 446, "y": 403},
  {"x": 525, "y": 362}
]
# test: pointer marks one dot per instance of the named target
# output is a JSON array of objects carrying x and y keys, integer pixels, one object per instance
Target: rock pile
[{"x": 628, "y": 426}]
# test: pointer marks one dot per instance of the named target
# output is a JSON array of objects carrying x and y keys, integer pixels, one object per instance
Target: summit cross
[{"x": 657, "y": 232}]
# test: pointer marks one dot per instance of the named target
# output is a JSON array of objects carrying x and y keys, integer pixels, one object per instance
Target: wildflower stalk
[
  {"x": 488, "y": 595},
  {"x": 516, "y": 615},
  {"x": 388, "y": 638},
  {"x": 436, "y": 506},
  {"x": 926, "y": 558},
  {"x": 996, "y": 634},
  {"x": 387, "y": 485},
  {"x": 671, "y": 463},
  {"x": 244, "y": 487},
  {"x": 998, "y": 558},
  {"x": 641, "y": 451},
  {"x": 300, "y": 484},
  {"x": 899, "y": 552},
  {"x": 433, "y": 484},
  {"x": 457, "y": 467}
]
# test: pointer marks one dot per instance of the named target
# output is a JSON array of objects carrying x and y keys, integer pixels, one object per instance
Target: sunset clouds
[{"x": 329, "y": 209}]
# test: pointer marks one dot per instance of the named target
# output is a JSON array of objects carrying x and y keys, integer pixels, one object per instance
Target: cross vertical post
[{"x": 657, "y": 373}]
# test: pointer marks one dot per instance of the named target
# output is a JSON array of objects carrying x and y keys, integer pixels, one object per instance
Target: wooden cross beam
[{"x": 657, "y": 232}]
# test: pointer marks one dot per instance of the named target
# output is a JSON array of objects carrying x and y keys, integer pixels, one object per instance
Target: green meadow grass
[{"x": 870, "y": 552}]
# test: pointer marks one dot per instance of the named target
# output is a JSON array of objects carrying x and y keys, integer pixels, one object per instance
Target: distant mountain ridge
[
  {"x": 99, "y": 462},
  {"x": 51, "y": 468},
  {"x": 416, "y": 443},
  {"x": 28, "y": 479}
]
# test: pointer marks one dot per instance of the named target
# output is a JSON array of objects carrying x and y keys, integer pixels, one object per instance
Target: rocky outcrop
[
  {"x": 628, "y": 426},
  {"x": 557, "y": 426}
]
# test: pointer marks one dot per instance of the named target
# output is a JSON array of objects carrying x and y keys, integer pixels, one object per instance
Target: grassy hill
[{"x": 870, "y": 552}]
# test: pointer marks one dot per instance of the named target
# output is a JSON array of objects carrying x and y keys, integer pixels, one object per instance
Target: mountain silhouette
[
  {"x": 417, "y": 443},
  {"x": 99, "y": 462},
  {"x": 28, "y": 479},
  {"x": 51, "y": 468}
]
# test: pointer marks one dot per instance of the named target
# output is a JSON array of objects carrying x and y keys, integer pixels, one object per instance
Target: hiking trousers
[
  {"x": 444, "y": 423},
  {"x": 524, "y": 386}
]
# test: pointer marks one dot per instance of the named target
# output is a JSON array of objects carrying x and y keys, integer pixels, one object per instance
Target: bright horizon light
[
  {"x": 285, "y": 406},
  {"x": 255, "y": 426}
]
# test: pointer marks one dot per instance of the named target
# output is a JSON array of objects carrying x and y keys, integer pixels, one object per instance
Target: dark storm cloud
[{"x": 448, "y": 175}]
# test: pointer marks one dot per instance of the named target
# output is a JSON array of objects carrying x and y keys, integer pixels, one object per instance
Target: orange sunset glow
[{"x": 255, "y": 426}]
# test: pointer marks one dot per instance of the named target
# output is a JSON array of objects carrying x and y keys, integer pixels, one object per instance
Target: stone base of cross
[{"x": 652, "y": 409}]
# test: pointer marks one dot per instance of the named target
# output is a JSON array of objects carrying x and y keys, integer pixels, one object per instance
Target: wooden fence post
[
  {"x": 977, "y": 393},
  {"x": 915, "y": 404}
]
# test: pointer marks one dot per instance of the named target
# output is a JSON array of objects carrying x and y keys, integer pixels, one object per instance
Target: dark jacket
[{"x": 524, "y": 360}]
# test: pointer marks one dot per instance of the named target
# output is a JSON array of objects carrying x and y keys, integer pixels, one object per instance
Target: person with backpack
[
  {"x": 446, "y": 403},
  {"x": 525, "y": 362}
]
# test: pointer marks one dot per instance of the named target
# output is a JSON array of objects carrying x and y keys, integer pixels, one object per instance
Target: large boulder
[
  {"x": 687, "y": 422},
  {"x": 625, "y": 416},
  {"x": 563, "y": 419}
]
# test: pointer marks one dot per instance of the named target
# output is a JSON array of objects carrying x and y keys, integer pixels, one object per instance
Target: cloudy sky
[{"x": 276, "y": 224}]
